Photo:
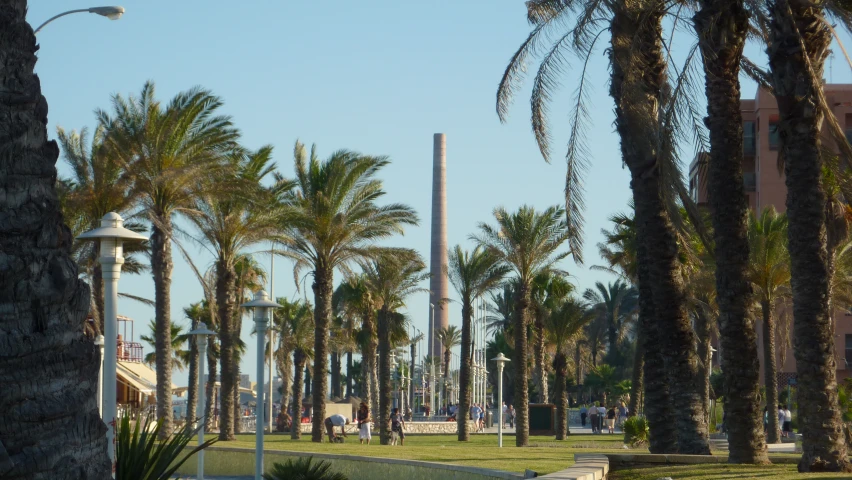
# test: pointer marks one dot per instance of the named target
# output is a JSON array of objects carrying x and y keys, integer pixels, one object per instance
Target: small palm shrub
[
  {"x": 636, "y": 431},
  {"x": 140, "y": 455},
  {"x": 303, "y": 469}
]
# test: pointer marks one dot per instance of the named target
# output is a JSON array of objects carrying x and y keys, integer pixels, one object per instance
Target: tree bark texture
[
  {"x": 50, "y": 427},
  {"x": 770, "y": 374},
  {"x": 335, "y": 374},
  {"x": 385, "y": 390},
  {"x": 705, "y": 356},
  {"x": 285, "y": 366},
  {"x": 540, "y": 362},
  {"x": 238, "y": 408},
  {"x": 522, "y": 393},
  {"x": 213, "y": 369},
  {"x": 322, "y": 287},
  {"x": 637, "y": 46},
  {"x": 225, "y": 276},
  {"x": 368, "y": 363},
  {"x": 464, "y": 373},
  {"x": 299, "y": 361},
  {"x": 722, "y": 26},
  {"x": 560, "y": 367},
  {"x": 161, "y": 268},
  {"x": 349, "y": 379},
  {"x": 192, "y": 387},
  {"x": 637, "y": 386},
  {"x": 798, "y": 46},
  {"x": 98, "y": 292}
]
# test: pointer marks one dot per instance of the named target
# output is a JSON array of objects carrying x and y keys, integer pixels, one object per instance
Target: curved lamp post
[
  {"x": 112, "y": 235},
  {"x": 261, "y": 305},
  {"x": 112, "y": 13},
  {"x": 500, "y": 360},
  {"x": 201, "y": 333}
]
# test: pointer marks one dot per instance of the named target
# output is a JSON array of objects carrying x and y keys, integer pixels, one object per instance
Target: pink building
[{"x": 764, "y": 185}]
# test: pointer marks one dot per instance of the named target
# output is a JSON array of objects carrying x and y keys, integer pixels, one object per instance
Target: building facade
[{"x": 765, "y": 186}]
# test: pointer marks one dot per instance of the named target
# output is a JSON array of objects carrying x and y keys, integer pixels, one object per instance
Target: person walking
[
  {"x": 511, "y": 416},
  {"x": 780, "y": 414},
  {"x": 787, "y": 425},
  {"x": 505, "y": 411},
  {"x": 335, "y": 420},
  {"x": 593, "y": 418},
  {"x": 622, "y": 414},
  {"x": 584, "y": 412},
  {"x": 601, "y": 416},
  {"x": 364, "y": 421},
  {"x": 610, "y": 419},
  {"x": 397, "y": 427}
]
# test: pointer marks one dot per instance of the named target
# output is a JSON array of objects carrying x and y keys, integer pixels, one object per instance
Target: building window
[
  {"x": 748, "y": 138},
  {"x": 848, "y": 350},
  {"x": 774, "y": 139}
]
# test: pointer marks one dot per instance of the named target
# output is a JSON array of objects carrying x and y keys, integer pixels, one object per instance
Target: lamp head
[
  {"x": 501, "y": 360},
  {"x": 112, "y": 12}
]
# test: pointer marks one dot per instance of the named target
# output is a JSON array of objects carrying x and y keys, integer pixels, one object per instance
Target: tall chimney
[{"x": 438, "y": 285}]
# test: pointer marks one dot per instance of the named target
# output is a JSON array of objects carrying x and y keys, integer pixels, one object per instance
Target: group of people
[
  {"x": 785, "y": 420},
  {"x": 364, "y": 420},
  {"x": 508, "y": 415},
  {"x": 598, "y": 416}
]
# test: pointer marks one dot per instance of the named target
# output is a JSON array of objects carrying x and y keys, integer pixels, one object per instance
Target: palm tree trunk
[
  {"x": 560, "y": 366},
  {"x": 464, "y": 375},
  {"x": 796, "y": 76},
  {"x": 705, "y": 355},
  {"x": 770, "y": 373},
  {"x": 349, "y": 379},
  {"x": 637, "y": 46},
  {"x": 212, "y": 367},
  {"x": 522, "y": 425},
  {"x": 540, "y": 364},
  {"x": 322, "y": 287},
  {"x": 637, "y": 387},
  {"x": 225, "y": 276},
  {"x": 161, "y": 268},
  {"x": 656, "y": 401},
  {"x": 50, "y": 422},
  {"x": 192, "y": 388},
  {"x": 238, "y": 408},
  {"x": 296, "y": 424},
  {"x": 722, "y": 27},
  {"x": 335, "y": 374},
  {"x": 385, "y": 392}
]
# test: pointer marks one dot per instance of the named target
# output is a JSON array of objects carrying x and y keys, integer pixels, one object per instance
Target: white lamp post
[
  {"x": 112, "y": 235},
  {"x": 112, "y": 13},
  {"x": 99, "y": 341},
  {"x": 201, "y": 334},
  {"x": 500, "y": 360},
  {"x": 261, "y": 305}
]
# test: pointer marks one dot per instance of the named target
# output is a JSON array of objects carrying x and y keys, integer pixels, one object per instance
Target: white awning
[{"x": 139, "y": 376}]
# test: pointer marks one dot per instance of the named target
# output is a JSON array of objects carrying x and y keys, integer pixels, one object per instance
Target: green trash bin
[{"x": 542, "y": 419}]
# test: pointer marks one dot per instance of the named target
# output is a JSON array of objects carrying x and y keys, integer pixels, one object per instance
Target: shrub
[
  {"x": 303, "y": 469},
  {"x": 636, "y": 431},
  {"x": 138, "y": 453}
]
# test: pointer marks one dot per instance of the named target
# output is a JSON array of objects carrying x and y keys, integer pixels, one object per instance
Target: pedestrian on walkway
[
  {"x": 364, "y": 420},
  {"x": 584, "y": 412},
  {"x": 511, "y": 416},
  {"x": 601, "y": 416},
  {"x": 610, "y": 419},
  {"x": 787, "y": 425},
  {"x": 593, "y": 419}
]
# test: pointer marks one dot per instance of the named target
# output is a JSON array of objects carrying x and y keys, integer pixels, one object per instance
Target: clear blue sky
[{"x": 378, "y": 77}]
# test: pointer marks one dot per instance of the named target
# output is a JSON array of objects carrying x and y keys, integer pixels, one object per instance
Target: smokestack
[{"x": 438, "y": 285}]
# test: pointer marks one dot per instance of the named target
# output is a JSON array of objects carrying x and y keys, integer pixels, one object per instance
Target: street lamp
[
  {"x": 261, "y": 305},
  {"x": 500, "y": 360},
  {"x": 201, "y": 334},
  {"x": 112, "y": 13},
  {"x": 99, "y": 341},
  {"x": 112, "y": 235}
]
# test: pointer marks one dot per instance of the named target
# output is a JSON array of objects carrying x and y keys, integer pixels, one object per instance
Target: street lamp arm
[{"x": 113, "y": 13}]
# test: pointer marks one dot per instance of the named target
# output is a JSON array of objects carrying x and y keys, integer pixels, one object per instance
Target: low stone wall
[
  {"x": 586, "y": 467},
  {"x": 446, "y": 428},
  {"x": 226, "y": 461}
]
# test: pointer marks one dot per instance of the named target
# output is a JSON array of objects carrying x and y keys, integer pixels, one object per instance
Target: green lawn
[
  {"x": 719, "y": 471},
  {"x": 544, "y": 455}
]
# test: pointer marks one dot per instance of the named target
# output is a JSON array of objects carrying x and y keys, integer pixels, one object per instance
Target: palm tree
[
  {"x": 528, "y": 242},
  {"x": 449, "y": 337},
  {"x": 769, "y": 273},
  {"x": 168, "y": 153},
  {"x": 355, "y": 297},
  {"x": 43, "y": 301},
  {"x": 548, "y": 291},
  {"x": 722, "y": 28},
  {"x": 249, "y": 277},
  {"x": 603, "y": 378},
  {"x": 230, "y": 217},
  {"x": 473, "y": 274},
  {"x": 298, "y": 325},
  {"x": 98, "y": 185},
  {"x": 392, "y": 277},
  {"x": 336, "y": 221},
  {"x": 648, "y": 121},
  {"x": 561, "y": 326},
  {"x": 798, "y": 44},
  {"x": 180, "y": 357},
  {"x": 615, "y": 302}
]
